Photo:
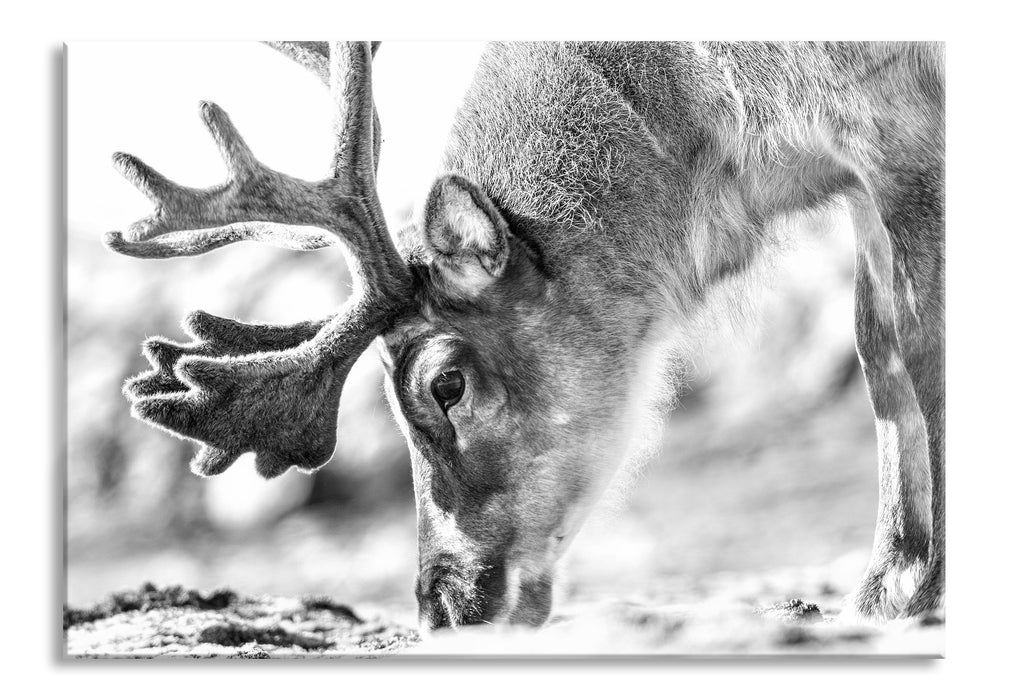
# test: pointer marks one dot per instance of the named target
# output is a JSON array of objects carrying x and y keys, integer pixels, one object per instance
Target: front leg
[
  {"x": 904, "y": 519},
  {"x": 916, "y": 226}
]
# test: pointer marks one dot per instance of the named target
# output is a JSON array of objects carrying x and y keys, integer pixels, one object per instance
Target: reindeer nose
[
  {"x": 433, "y": 608},
  {"x": 450, "y": 594}
]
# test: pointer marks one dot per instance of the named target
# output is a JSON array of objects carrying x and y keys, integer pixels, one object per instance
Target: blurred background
[{"x": 765, "y": 482}]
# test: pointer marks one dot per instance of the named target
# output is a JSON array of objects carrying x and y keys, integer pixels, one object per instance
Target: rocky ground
[
  {"x": 174, "y": 621},
  {"x": 153, "y": 622}
]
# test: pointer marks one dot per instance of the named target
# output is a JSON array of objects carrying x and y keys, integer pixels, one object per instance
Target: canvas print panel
[{"x": 622, "y": 348}]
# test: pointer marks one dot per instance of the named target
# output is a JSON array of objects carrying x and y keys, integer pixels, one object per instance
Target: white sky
[{"x": 141, "y": 97}]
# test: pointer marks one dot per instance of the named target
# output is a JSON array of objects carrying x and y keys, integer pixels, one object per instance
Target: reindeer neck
[{"x": 654, "y": 170}]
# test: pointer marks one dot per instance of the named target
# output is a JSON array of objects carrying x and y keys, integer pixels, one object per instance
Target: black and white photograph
[{"x": 524, "y": 349}]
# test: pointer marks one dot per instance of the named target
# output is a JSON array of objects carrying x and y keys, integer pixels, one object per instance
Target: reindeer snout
[{"x": 451, "y": 593}]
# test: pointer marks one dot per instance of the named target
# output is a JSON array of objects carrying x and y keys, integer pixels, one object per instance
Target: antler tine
[
  {"x": 377, "y": 262},
  {"x": 198, "y": 220},
  {"x": 272, "y": 390},
  {"x": 314, "y": 56},
  {"x": 191, "y": 221},
  {"x": 350, "y": 85}
]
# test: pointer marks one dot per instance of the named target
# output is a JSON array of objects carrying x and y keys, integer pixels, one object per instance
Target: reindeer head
[
  {"x": 503, "y": 386},
  {"x": 501, "y": 375}
]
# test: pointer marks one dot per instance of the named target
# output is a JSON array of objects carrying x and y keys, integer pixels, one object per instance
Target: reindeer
[{"x": 595, "y": 196}]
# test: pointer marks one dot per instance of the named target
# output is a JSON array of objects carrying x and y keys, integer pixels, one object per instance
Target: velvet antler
[{"x": 271, "y": 390}]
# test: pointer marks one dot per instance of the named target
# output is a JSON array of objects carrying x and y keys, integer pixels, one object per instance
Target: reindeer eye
[{"x": 447, "y": 388}]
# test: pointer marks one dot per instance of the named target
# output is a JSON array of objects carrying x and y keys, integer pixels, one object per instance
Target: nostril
[
  {"x": 433, "y": 615},
  {"x": 441, "y": 591},
  {"x": 431, "y": 578},
  {"x": 431, "y": 605}
]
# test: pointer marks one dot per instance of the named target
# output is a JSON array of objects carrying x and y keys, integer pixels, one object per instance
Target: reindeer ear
[{"x": 466, "y": 234}]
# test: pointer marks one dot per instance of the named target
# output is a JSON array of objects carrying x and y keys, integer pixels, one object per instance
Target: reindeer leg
[
  {"x": 916, "y": 225},
  {"x": 903, "y": 525}
]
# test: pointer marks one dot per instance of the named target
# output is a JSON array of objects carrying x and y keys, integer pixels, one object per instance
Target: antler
[{"x": 272, "y": 390}]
